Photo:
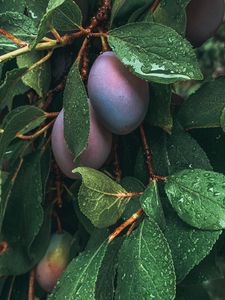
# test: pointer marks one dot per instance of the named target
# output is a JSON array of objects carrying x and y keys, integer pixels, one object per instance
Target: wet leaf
[
  {"x": 12, "y": 6},
  {"x": 145, "y": 266},
  {"x": 155, "y": 52},
  {"x": 79, "y": 280},
  {"x": 100, "y": 198},
  {"x": 76, "y": 112},
  {"x": 198, "y": 198},
  {"x": 20, "y": 26},
  {"x": 62, "y": 15},
  {"x": 151, "y": 204},
  {"x": 188, "y": 245}
]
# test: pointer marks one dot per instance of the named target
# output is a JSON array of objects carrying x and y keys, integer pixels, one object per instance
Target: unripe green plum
[
  {"x": 119, "y": 98},
  {"x": 203, "y": 19},
  {"x": 56, "y": 258},
  {"x": 96, "y": 153}
]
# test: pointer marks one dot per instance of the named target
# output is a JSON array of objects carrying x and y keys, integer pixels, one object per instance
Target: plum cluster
[{"x": 118, "y": 102}]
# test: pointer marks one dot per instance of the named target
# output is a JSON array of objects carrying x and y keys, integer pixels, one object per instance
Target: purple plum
[
  {"x": 119, "y": 98},
  {"x": 96, "y": 153}
]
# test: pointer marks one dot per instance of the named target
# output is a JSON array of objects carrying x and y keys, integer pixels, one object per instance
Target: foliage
[{"x": 166, "y": 180}]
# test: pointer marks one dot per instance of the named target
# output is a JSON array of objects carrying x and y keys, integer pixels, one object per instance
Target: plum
[
  {"x": 96, "y": 153},
  {"x": 54, "y": 262},
  {"x": 119, "y": 98},
  {"x": 203, "y": 19}
]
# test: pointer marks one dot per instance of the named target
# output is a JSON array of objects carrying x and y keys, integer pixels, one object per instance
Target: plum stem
[
  {"x": 128, "y": 222},
  {"x": 58, "y": 222},
  {"x": 31, "y": 285}
]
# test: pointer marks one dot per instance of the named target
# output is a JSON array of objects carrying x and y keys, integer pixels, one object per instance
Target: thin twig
[
  {"x": 36, "y": 134},
  {"x": 13, "y": 38},
  {"x": 147, "y": 153},
  {"x": 154, "y": 6},
  {"x": 31, "y": 285},
  {"x": 124, "y": 225}
]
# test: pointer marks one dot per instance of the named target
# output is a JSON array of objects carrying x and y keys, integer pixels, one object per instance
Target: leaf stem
[
  {"x": 13, "y": 38},
  {"x": 41, "y": 61},
  {"x": 36, "y": 134},
  {"x": 124, "y": 225}
]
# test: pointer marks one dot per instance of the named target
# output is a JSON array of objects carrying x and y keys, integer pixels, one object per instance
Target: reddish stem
[
  {"x": 31, "y": 285},
  {"x": 13, "y": 38},
  {"x": 147, "y": 153},
  {"x": 124, "y": 225},
  {"x": 154, "y": 6}
]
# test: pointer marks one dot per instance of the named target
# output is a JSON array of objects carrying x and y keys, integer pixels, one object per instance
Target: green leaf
[
  {"x": 16, "y": 261},
  {"x": 155, "y": 52},
  {"x": 39, "y": 78},
  {"x": 172, "y": 14},
  {"x": 73, "y": 193},
  {"x": 24, "y": 212},
  {"x": 172, "y": 153},
  {"x": 105, "y": 287},
  {"x": 101, "y": 199},
  {"x": 183, "y": 152},
  {"x": 62, "y": 15},
  {"x": 122, "y": 9},
  {"x": 26, "y": 225},
  {"x": 76, "y": 112},
  {"x": 12, "y": 6},
  {"x": 36, "y": 9},
  {"x": 203, "y": 108},
  {"x": 188, "y": 245},
  {"x": 159, "y": 112},
  {"x": 79, "y": 280},
  {"x": 145, "y": 266},
  {"x": 198, "y": 198},
  {"x": 151, "y": 204},
  {"x": 16, "y": 121},
  {"x": 18, "y": 25},
  {"x": 222, "y": 120},
  {"x": 12, "y": 86},
  {"x": 132, "y": 184}
]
